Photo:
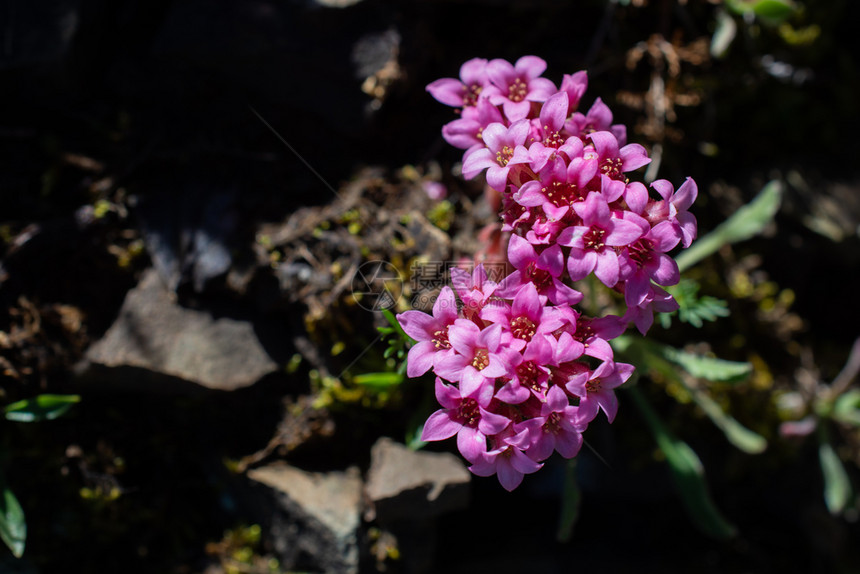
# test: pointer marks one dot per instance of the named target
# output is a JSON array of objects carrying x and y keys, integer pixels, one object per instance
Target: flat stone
[
  {"x": 405, "y": 484},
  {"x": 157, "y": 344},
  {"x": 314, "y": 518}
]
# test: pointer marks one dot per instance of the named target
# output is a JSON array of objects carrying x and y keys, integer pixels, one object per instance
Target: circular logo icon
[{"x": 377, "y": 285}]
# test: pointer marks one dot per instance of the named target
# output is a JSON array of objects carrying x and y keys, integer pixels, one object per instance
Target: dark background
[{"x": 162, "y": 97}]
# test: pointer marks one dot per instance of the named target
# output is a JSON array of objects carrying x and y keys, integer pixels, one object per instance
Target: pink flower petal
[
  {"x": 478, "y": 161},
  {"x": 509, "y": 477},
  {"x": 633, "y": 156},
  {"x": 419, "y": 360},
  {"x": 474, "y": 71},
  {"x": 607, "y": 268},
  {"x": 440, "y": 426},
  {"x": 447, "y": 91},
  {"x": 492, "y": 423},
  {"x": 471, "y": 443},
  {"x": 686, "y": 195},
  {"x": 445, "y": 306},
  {"x": 531, "y": 66}
]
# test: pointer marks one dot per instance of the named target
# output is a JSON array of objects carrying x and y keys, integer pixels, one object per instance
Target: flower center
[
  {"x": 481, "y": 360},
  {"x": 561, "y": 375},
  {"x": 523, "y": 328},
  {"x": 540, "y": 277},
  {"x": 612, "y": 168},
  {"x": 583, "y": 331},
  {"x": 586, "y": 130},
  {"x": 470, "y": 97},
  {"x": 527, "y": 373},
  {"x": 440, "y": 340},
  {"x": 467, "y": 413},
  {"x": 504, "y": 155},
  {"x": 656, "y": 211},
  {"x": 593, "y": 385},
  {"x": 593, "y": 238},
  {"x": 560, "y": 194},
  {"x": 553, "y": 423},
  {"x": 641, "y": 252},
  {"x": 552, "y": 139},
  {"x": 518, "y": 90},
  {"x": 513, "y": 212}
]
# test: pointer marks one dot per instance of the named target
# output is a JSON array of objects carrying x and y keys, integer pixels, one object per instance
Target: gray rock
[
  {"x": 406, "y": 491},
  {"x": 155, "y": 344},
  {"x": 407, "y": 485},
  {"x": 314, "y": 518}
]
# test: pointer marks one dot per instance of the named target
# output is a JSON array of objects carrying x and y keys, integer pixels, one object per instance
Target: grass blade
[{"x": 688, "y": 473}]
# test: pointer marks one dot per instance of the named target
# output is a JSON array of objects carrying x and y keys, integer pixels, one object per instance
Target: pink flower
[
  {"x": 542, "y": 229},
  {"x": 465, "y": 91},
  {"x": 558, "y": 428},
  {"x": 591, "y": 243},
  {"x": 474, "y": 289},
  {"x": 430, "y": 332},
  {"x": 543, "y": 271},
  {"x": 645, "y": 260},
  {"x": 515, "y": 87},
  {"x": 614, "y": 162},
  {"x": 465, "y": 416},
  {"x": 657, "y": 299},
  {"x": 530, "y": 370},
  {"x": 566, "y": 349},
  {"x": 595, "y": 389},
  {"x": 530, "y": 376},
  {"x": 575, "y": 86},
  {"x": 467, "y": 132},
  {"x": 595, "y": 332},
  {"x": 504, "y": 150},
  {"x": 598, "y": 119},
  {"x": 481, "y": 356},
  {"x": 527, "y": 316},
  {"x": 507, "y": 460},
  {"x": 560, "y": 186},
  {"x": 546, "y": 130},
  {"x": 674, "y": 208}
]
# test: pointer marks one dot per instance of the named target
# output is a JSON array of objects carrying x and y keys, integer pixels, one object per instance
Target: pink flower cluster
[{"x": 519, "y": 371}]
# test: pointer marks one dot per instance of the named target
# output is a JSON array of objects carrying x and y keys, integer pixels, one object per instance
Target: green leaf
[
  {"x": 688, "y": 474},
  {"x": 40, "y": 407},
  {"x": 13, "y": 526},
  {"x": 846, "y": 409},
  {"x": 723, "y": 35},
  {"x": 747, "y": 222},
  {"x": 414, "y": 430},
  {"x": 378, "y": 381},
  {"x": 709, "y": 368},
  {"x": 570, "y": 501},
  {"x": 774, "y": 9},
  {"x": 837, "y": 486},
  {"x": 693, "y": 309},
  {"x": 664, "y": 360},
  {"x": 737, "y": 434}
]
